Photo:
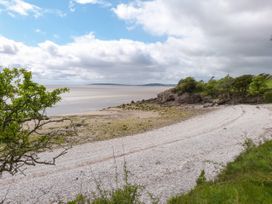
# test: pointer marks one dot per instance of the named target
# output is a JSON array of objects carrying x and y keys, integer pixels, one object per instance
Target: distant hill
[
  {"x": 158, "y": 84},
  {"x": 109, "y": 84},
  {"x": 115, "y": 84}
]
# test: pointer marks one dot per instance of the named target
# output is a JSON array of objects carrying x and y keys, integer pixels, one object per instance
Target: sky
[{"x": 135, "y": 41}]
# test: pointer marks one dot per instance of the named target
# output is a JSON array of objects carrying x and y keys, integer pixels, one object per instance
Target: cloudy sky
[{"x": 134, "y": 41}]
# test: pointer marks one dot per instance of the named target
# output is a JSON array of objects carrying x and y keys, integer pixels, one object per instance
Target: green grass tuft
[{"x": 247, "y": 180}]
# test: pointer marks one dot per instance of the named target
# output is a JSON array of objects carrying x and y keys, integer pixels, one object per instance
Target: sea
[{"x": 88, "y": 98}]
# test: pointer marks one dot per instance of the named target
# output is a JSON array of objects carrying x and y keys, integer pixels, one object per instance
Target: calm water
[{"x": 82, "y": 99}]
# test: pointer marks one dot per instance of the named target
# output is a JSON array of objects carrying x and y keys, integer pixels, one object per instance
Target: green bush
[
  {"x": 241, "y": 84},
  {"x": 228, "y": 89},
  {"x": 187, "y": 85},
  {"x": 268, "y": 97},
  {"x": 211, "y": 88}
]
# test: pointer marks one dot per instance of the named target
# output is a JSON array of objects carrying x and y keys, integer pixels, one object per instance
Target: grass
[
  {"x": 247, "y": 180},
  {"x": 129, "y": 194}
]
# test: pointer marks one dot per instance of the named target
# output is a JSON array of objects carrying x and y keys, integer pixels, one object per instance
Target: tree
[{"x": 23, "y": 132}]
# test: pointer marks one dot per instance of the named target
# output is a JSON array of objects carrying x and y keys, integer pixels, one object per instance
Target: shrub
[
  {"x": 258, "y": 86},
  {"x": 202, "y": 178},
  {"x": 268, "y": 97},
  {"x": 187, "y": 85},
  {"x": 241, "y": 84},
  {"x": 210, "y": 88},
  {"x": 225, "y": 87}
]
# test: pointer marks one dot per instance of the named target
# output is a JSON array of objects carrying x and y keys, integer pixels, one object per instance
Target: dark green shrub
[
  {"x": 258, "y": 86},
  {"x": 268, "y": 97},
  {"x": 225, "y": 87},
  {"x": 187, "y": 85},
  {"x": 211, "y": 88},
  {"x": 241, "y": 84}
]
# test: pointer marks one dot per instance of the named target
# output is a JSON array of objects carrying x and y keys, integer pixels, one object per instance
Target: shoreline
[{"x": 128, "y": 119}]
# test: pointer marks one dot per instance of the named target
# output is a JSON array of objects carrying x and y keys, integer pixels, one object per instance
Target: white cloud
[
  {"x": 204, "y": 39},
  {"x": 86, "y": 1},
  {"x": 88, "y": 59},
  {"x": 20, "y": 7},
  {"x": 234, "y": 34},
  {"x": 72, "y": 3},
  {"x": 8, "y": 47}
]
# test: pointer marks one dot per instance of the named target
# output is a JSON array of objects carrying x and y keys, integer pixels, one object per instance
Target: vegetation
[
  {"x": 245, "y": 88},
  {"x": 22, "y": 116},
  {"x": 247, "y": 180},
  {"x": 269, "y": 84},
  {"x": 127, "y": 194},
  {"x": 129, "y": 119},
  {"x": 188, "y": 85}
]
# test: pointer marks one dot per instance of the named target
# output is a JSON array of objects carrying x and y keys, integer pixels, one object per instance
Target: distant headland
[{"x": 116, "y": 84}]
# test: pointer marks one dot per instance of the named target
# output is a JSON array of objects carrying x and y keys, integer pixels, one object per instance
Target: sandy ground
[{"x": 166, "y": 161}]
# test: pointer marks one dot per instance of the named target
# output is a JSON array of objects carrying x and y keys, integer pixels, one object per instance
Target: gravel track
[{"x": 166, "y": 161}]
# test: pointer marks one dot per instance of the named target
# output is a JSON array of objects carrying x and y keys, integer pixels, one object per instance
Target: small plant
[
  {"x": 80, "y": 199},
  {"x": 249, "y": 144},
  {"x": 127, "y": 194},
  {"x": 202, "y": 178}
]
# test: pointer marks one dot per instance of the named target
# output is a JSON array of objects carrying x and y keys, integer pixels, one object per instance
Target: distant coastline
[{"x": 115, "y": 84}]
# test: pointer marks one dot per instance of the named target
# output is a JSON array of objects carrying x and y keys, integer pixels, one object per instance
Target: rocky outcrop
[
  {"x": 189, "y": 98},
  {"x": 169, "y": 96}
]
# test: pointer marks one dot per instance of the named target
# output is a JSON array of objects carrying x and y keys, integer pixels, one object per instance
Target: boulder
[
  {"x": 189, "y": 98},
  {"x": 167, "y": 96}
]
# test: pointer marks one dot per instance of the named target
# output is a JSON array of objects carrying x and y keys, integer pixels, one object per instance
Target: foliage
[
  {"x": 129, "y": 194},
  {"x": 225, "y": 87},
  {"x": 241, "y": 84},
  {"x": 202, "y": 178},
  {"x": 268, "y": 97},
  {"x": 258, "y": 86},
  {"x": 228, "y": 88},
  {"x": 247, "y": 180},
  {"x": 188, "y": 85},
  {"x": 269, "y": 83},
  {"x": 210, "y": 88},
  {"x": 22, "y": 116}
]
